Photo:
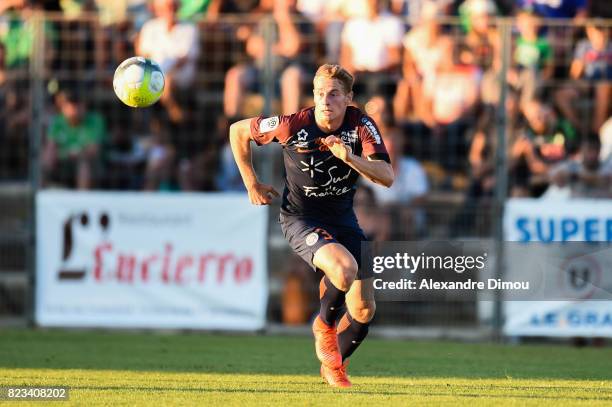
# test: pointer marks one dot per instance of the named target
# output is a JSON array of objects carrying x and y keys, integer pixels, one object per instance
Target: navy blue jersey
[{"x": 317, "y": 184}]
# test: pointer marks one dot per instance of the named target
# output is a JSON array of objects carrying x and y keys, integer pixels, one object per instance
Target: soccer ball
[{"x": 138, "y": 82}]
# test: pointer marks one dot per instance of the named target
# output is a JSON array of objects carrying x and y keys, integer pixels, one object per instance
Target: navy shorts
[{"x": 307, "y": 235}]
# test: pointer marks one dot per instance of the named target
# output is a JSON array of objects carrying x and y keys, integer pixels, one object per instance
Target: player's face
[{"x": 330, "y": 99}]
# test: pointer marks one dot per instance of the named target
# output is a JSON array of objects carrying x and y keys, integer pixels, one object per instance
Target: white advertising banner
[
  {"x": 547, "y": 221},
  {"x": 148, "y": 260}
]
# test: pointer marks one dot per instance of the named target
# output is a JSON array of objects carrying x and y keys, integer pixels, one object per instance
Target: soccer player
[{"x": 325, "y": 149}]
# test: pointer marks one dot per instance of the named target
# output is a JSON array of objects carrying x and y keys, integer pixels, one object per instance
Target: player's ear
[{"x": 349, "y": 97}]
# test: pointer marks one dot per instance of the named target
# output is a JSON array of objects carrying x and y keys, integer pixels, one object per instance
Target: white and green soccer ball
[{"x": 138, "y": 82}]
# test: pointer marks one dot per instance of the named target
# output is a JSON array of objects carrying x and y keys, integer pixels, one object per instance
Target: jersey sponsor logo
[
  {"x": 269, "y": 124},
  {"x": 312, "y": 167},
  {"x": 349, "y": 136},
  {"x": 372, "y": 129},
  {"x": 302, "y": 134},
  {"x": 303, "y": 146}
]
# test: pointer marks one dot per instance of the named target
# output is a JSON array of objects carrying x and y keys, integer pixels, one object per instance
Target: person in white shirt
[
  {"x": 371, "y": 49},
  {"x": 175, "y": 46}
]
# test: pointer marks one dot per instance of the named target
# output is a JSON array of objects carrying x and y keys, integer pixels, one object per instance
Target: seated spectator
[
  {"x": 70, "y": 155},
  {"x": 17, "y": 35},
  {"x": 124, "y": 159},
  {"x": 413, "y": 9},
  {"x": 373, "y": 220},
  {"x": 410, "y": 184},
  {"x": 175, "y": 46},
  {"x": 328, "y": 18},
  {"x": 586, "y": 176},
  {"x": 605, "y": 135},
  {"x": 15, "y": 117},
  {"x": 593, "y": 63},
  {"x": 481, "y": 46},
  {"x": 228, "y": 178},
  {"x": 403, "y": 199},
  {"x": 160, "y": 174},
  {"x": 290, "y": 63},
  {"x": 448, "y": 108},
  {"x": 371, "y": 50},
  {"x": 423, "y": 47},
  {"x": 533, "y": 58},
  {"x": 546, "y": 140},
  {"x": 576, "y": 9}
]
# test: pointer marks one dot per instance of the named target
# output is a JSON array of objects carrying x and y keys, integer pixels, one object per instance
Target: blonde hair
[{"x": 334, "y": 71}]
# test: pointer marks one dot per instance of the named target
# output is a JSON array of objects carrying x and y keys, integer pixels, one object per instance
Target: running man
[{"x": 325, "y": 149}]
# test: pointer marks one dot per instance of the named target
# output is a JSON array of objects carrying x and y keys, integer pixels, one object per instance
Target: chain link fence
[{"x": 465, "y": 158}]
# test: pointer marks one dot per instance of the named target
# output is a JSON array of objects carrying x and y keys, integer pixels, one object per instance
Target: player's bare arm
[
  {"x": 377, "y": 171},
  {"x": 240, "y": 141}
]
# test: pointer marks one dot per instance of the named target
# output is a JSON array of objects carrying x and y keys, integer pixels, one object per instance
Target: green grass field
[{"x": 108, "y": 368}]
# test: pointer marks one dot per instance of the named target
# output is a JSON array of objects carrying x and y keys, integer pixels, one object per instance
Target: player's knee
[
  {"x": 343, "y": 272},
  {"x": 363, "y": 311}
]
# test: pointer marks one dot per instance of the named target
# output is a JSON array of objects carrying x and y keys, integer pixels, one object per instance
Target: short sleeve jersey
[{"x": 317, "y": 184}]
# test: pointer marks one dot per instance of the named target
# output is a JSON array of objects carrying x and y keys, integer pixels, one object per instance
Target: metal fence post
[
  {"x": 501, "y": 169},
  {"x": 37, "y": 105}
]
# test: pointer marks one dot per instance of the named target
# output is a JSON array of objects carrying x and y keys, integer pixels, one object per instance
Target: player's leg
[
  {"x": 354, "y": 324},
  {"x": 340, "y": 269},
  {"x": 360, "y": 306},
  {"x": 315, "y": 243}
]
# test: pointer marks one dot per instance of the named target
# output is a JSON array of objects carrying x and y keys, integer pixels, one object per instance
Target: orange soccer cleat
[
  {"x": 336, "y": 377},
  {"x": 326, "y": 344}
]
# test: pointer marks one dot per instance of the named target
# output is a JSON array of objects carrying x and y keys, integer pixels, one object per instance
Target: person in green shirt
[
  {"x": 533, "y": 57},
  {"x": 71, "y": 151}
]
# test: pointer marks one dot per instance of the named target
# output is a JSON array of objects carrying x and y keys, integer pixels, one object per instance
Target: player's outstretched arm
[
  {"x": 240, "y": 141},
  {"x": 377, "y": 171}
]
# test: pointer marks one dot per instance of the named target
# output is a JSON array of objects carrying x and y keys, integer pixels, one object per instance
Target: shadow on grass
[{"x": 278, "y": 355}]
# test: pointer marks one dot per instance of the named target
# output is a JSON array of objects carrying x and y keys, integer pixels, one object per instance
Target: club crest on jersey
[
  {"x": 312, "y": 238},
  {"x": 268, "y": 124},
  {"x": 301, "y": 135},
  {"x": 372, "y": 129}
]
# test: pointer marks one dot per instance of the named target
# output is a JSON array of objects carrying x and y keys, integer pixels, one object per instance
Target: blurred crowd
[{"x": 430, "y": 72}]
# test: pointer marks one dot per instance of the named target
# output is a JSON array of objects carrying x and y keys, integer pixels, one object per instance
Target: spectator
[
  {"x": 71, "y": 152},
  {"x": 371, "y": 50},
  {"x": 448, "y": 108},
  {"x": 413, "y": 9},
  {"x": 373, "y": 220},
  {"x": 533, "y": 57},
  {"x": 576, "y": 9},
  {"x": 605, "y": 135},
  {"x": 481, "y": 46},
  {"x": 124, "y": 159},
  {"x": 329, "y": 18},
  {"x": 160, "y": 157},
  {"x": 175, "y": 46},
  {"x": 291, "y": 29},
  {"x": 228, "y": 177},
  {"x": 14, "y": 122},
  {"x": 587, "y": 176},
  {"x": 546, "y": 140},
  {"x": 17, "y": 35},
  {"x": 403, "y": 200},
  {"x": 593, "y": 63},
  {"x": 410, "y": 185},
  {"x": 423, "y": 47}
]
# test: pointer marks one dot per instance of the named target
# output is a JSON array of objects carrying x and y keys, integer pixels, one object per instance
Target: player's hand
[
  {"x": 261, "y": 194},
  {"x": 338, "y": 148}
]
